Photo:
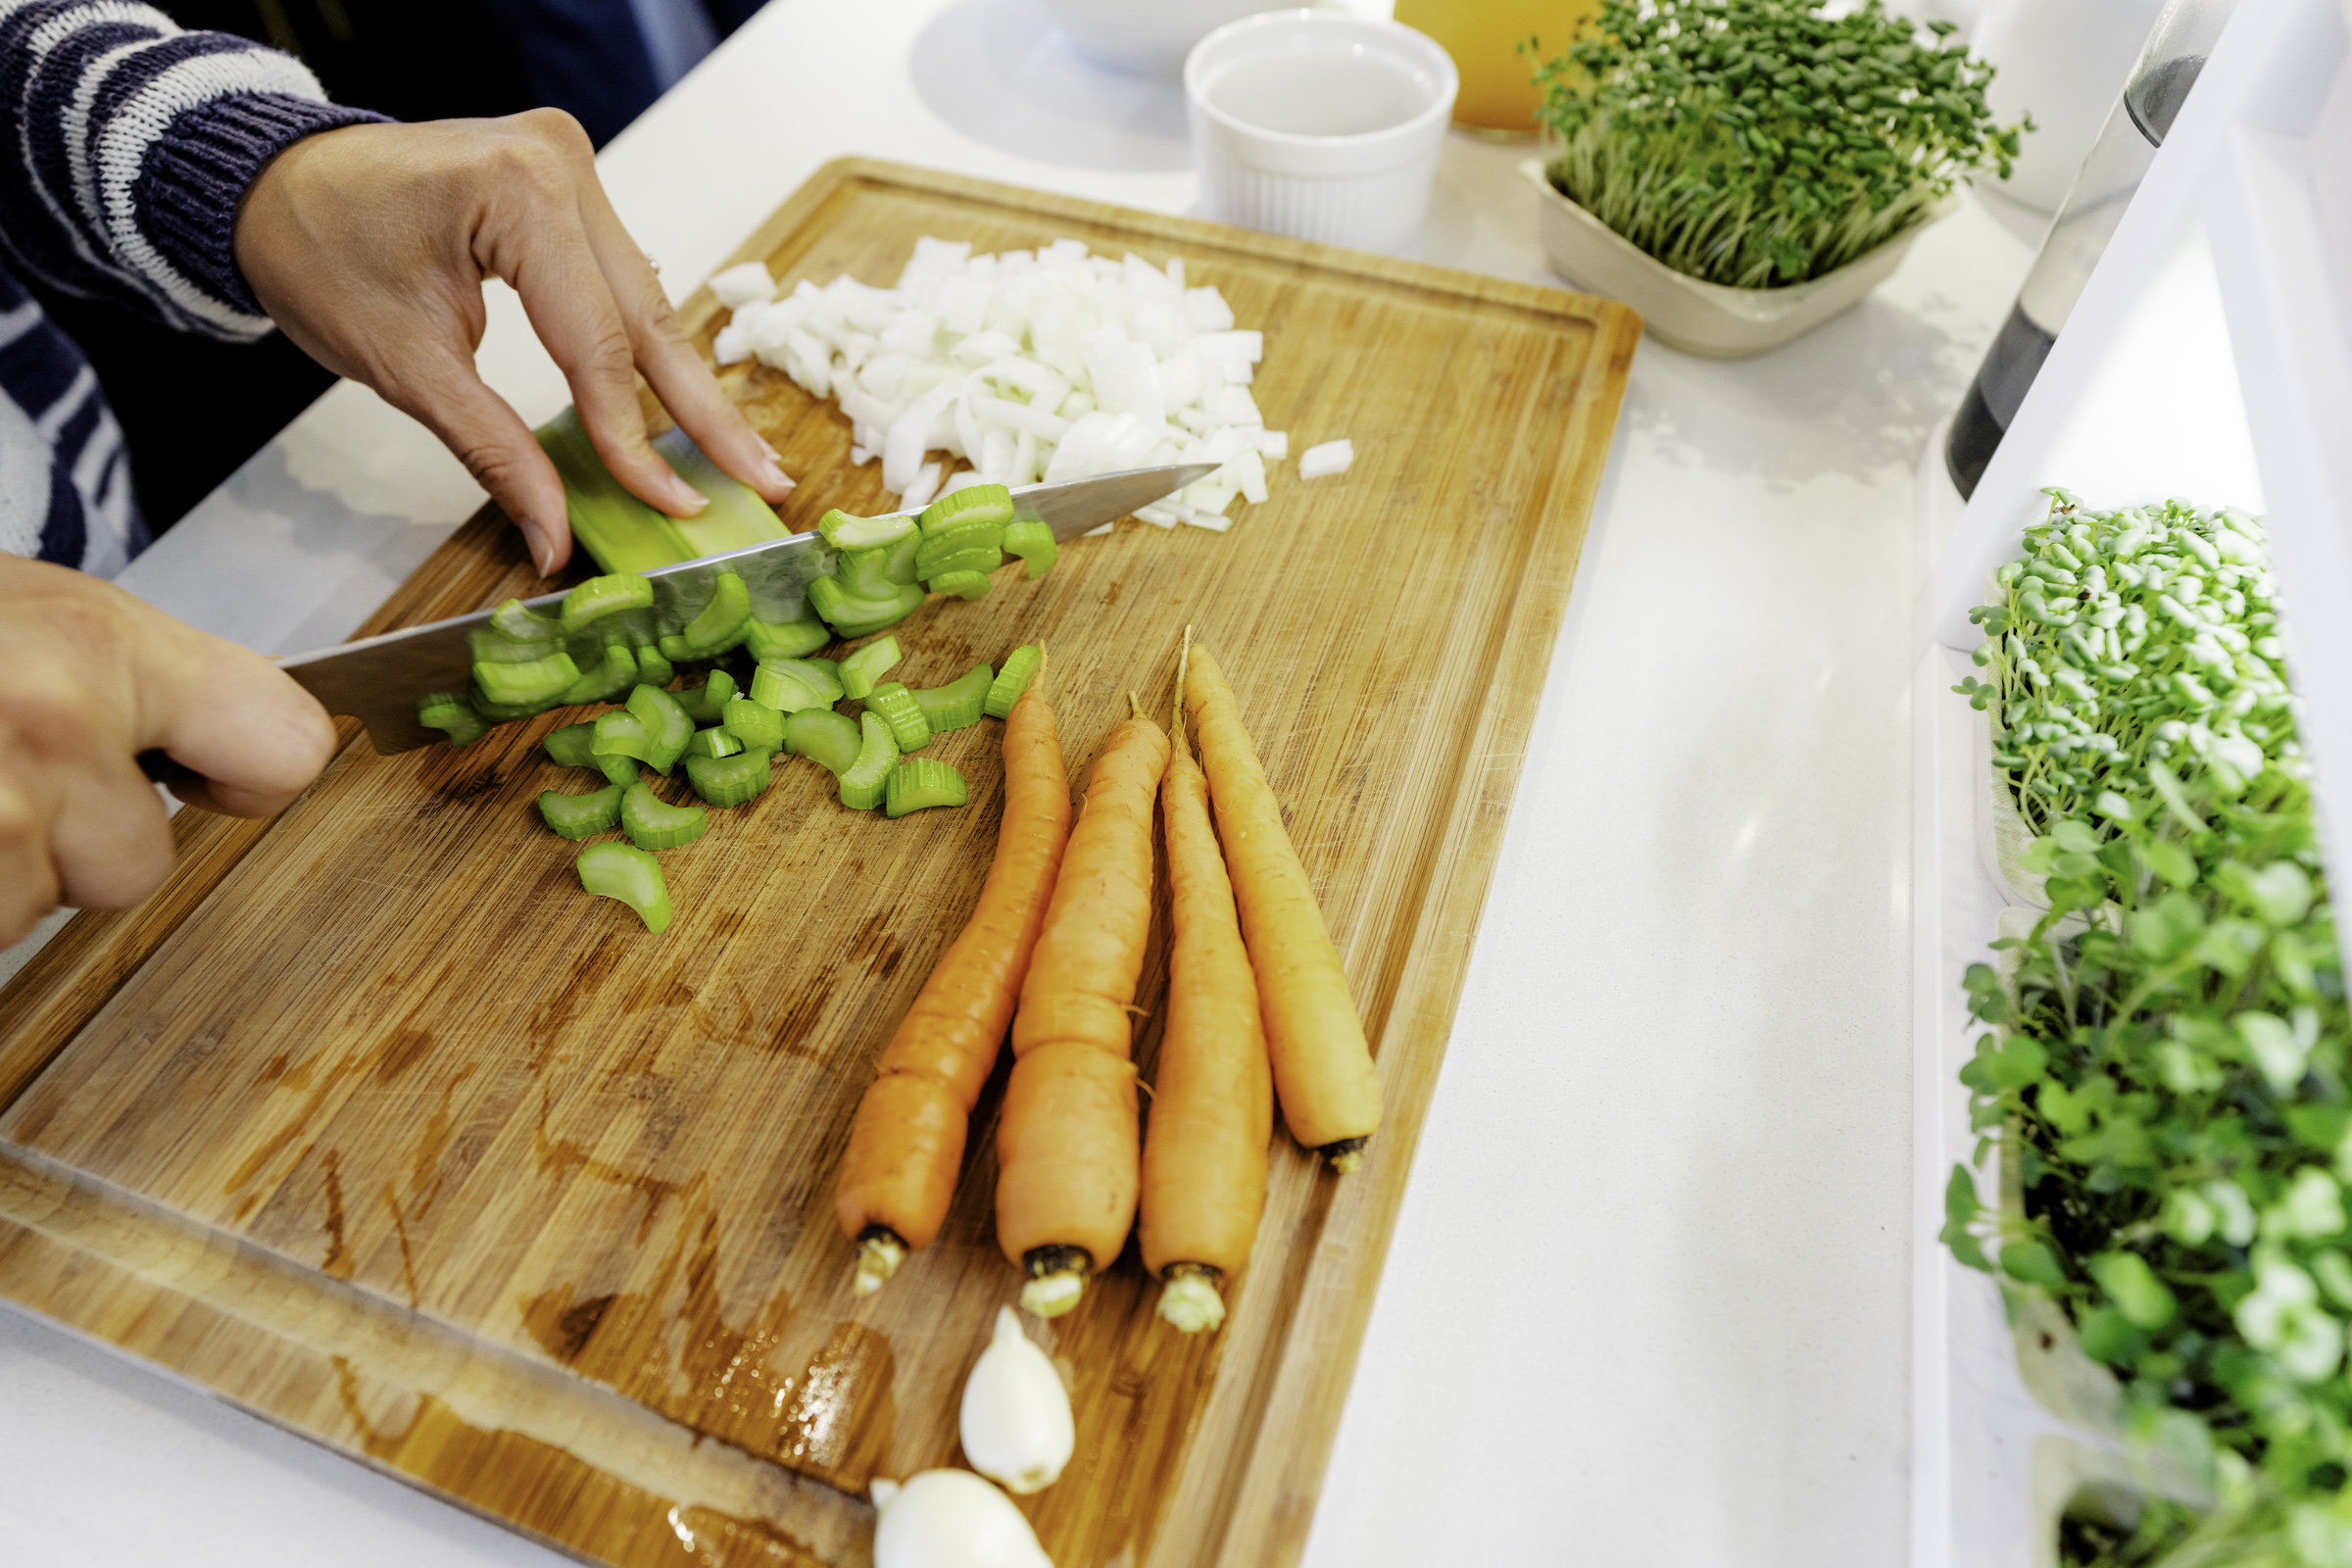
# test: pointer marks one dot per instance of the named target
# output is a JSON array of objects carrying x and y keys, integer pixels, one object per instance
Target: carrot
[
  {"x": 1323, "y": 1071},
  {"x": 1066, "y": 1146},
  {"x": 906, "y": 1139},
  {"x": 1212, "y": 1102}
]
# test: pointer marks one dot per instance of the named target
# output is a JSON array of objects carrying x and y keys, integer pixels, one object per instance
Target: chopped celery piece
[
  {"x": 921, "y": 782},
  {"x": 736, "y": 517},
  {"x": 982, "y": 559},
  {"x": 958, "y": 703},
  {"x": 623, "y": 734},
  {"x": 617, "y": 768},
  {"x": 754, "y": 723},
  {"x": 600, "y": 597},
  {"x": 863, "y": 669},
  {"x": 502, "y": 712},
  {"x": 844, "y": 609},
  {"x": 541, "y": 680},
  {"x": 706, "y": 704},
  {"x": 720, "y": 624},
  {"x": 607, "y": 681},
  {"x": 845, "y": 532},
  {"x": 903, "y": 714},
  {"x": 789, "y": 640},
  {"x": 1021, "y": 667},
  {"x": 820, "y": 676},
  {"x": 864, "y": 573},
  {"x": 979, "y": 502},
  {"x": 713, "y": 743},
  {"x": 581, "y": 816},
  {"x": 962, "y": 584},
  {"x": 1033, "y": 542},
  {"x": 653, "y": 667},
  {"x": 653, "y": 823},
  {"x": 534, "y": 637},
  {"x": 822, "y": 736},
  {"x": 666, "y": 726},
  {"x": 518, "y": 622},
  {"x": 852, "y": 630},
  {"x": 779, "y": 686},
  {"x": 868, "y": 781},
  {"x": 630, "y": 874},
  {"x": 622, "y": 532},
  {"x": 935, "y": 554},
  {"x": 449, "y": 714},
  {"x": 897, "y": 567},
  {"x": 573, "y": 746},
  {"x": 723, "y": 781}
]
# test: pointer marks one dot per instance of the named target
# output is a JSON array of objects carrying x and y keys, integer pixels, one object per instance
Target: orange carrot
[
  {"x": 1212, "y": 1100},
  {"x": 1067, "y": 1145},
  {"x": 1322, "y": 1069},
  {"x": 906, "y": 1139}
]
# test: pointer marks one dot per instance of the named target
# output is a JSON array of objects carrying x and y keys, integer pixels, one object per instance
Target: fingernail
[
  {"x": 543, "y": 549},
  {"x": 773, "y": 474},
  {"x": 687, "y": 496},
  {"x": 769, "y": 448}
]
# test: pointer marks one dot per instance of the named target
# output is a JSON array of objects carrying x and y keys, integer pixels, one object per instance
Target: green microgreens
[
  {"x": 1760, "y": 142},
  {"x": 2167, "y": 1072}
]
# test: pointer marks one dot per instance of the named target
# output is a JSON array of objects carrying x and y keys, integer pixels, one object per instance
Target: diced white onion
[
  {"x": 1332, "y": 456},
  {"x": 741, "y": 285},
  {"x": 1053, "y": 365}
]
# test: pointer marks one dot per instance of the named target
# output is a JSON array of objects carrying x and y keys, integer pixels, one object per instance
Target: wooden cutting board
[{"x": 371, "y": 1123}]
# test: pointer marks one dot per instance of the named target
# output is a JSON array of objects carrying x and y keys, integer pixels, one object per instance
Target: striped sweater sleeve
[{"x": 125, "y": 147}]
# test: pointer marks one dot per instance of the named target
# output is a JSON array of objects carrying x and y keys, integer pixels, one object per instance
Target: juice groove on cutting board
[{"x": 373, "y": 1123}]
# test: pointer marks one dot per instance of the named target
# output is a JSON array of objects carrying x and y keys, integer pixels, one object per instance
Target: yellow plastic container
[{"x": 1483, "y": 36}]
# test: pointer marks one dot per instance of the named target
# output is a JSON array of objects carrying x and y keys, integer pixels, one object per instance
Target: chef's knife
[{"x": 379, "y": 680}]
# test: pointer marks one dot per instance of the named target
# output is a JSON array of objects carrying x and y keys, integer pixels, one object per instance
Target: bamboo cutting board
[{"x": 375, "y": 1124}]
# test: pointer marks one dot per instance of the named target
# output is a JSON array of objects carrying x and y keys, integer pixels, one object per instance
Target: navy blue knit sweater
[{"x": 125, "y": 147}]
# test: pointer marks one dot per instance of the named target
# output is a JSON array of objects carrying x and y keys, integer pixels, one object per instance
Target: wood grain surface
[{"x": 373, "y": 1123}]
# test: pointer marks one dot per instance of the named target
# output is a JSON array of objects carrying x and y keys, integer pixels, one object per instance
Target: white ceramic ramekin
[{"x": 1320, "y": 124}]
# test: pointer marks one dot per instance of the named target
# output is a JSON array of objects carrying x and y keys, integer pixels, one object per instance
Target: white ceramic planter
[{"x": 1689, "y": 313}]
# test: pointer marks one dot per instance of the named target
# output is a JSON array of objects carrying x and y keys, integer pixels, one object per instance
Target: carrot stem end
[
  {"x": 1057, "y": 1279},
  {"x": 879, "y": 1254},
  {"x": 1189, "y": 1298},
  {"x": 1345, "y": 1156}
]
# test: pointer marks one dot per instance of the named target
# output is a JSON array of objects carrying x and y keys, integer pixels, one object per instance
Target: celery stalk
[{"x": 622, "y": 532}]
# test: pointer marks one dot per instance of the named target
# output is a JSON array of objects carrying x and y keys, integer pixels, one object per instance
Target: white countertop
[{"x": 1648, "y": 1300}]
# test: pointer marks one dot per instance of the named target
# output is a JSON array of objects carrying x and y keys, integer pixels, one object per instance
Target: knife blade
[{"x": 379, "y": 680}]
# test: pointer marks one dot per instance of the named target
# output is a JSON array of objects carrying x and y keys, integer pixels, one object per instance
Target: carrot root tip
[
  {"x": 1057, "y": 1279},
  {"x": 1346, "y": 1157},
  {"x": 879, "y": 1254},
  {"x": 1189, "y": 1298}
]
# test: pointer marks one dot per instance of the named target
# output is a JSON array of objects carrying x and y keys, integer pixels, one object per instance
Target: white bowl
[
  {"x": 1148, "y": 37},
  {"x": 1689, "y": 313},
  {"x": 1320, "y": 124}
]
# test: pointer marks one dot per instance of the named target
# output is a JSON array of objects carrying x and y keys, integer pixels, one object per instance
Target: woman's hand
[
  {"x": 369, "y": 245},
  {"x": 94, "y": 678}
]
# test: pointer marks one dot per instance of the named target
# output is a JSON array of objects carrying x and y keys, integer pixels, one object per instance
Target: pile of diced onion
[{"x": 1028, "y": 365}]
